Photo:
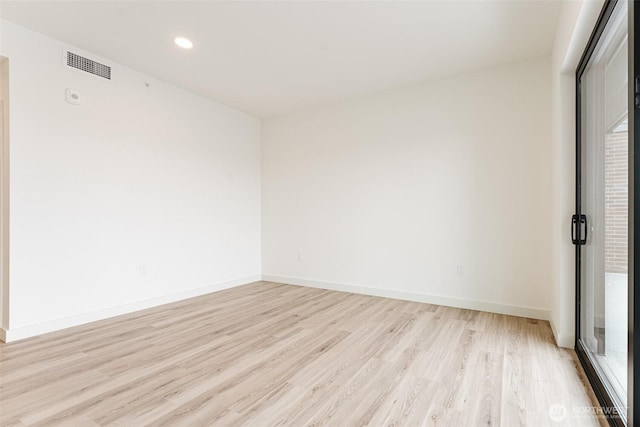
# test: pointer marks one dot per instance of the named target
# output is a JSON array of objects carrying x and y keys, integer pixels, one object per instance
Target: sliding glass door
[{"x": 600, "y": 226}]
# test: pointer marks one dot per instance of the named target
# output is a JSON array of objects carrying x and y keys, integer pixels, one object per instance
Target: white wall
[
  {"x": 4, "y": 193},
  {"x": 388, "y": 193},
  {"x": 575, "y": 25},
  {"x": 138, "y": 196}
]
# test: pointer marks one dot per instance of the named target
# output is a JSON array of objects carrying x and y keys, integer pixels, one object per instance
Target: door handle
[
  {"x": 577, "y": 221},
  {"x": 583, "y": 220}
]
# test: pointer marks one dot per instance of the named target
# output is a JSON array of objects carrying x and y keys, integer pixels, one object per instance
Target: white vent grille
[{"x": 88, "y": 65}]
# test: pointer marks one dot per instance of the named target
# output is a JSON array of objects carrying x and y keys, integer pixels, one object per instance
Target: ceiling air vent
[{"x": 88, "y": 65}]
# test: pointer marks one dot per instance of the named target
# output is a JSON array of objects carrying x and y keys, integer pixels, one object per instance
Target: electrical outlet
[
  {"x": 300, "y": 257},
  {"x": 460, "y": 270},
  {"x": 142, "y": 271}
]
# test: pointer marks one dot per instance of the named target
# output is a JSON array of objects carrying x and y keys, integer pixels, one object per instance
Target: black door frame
[
  {"x": 602, "y": 392},
  {"x": 633, "y": 382}
]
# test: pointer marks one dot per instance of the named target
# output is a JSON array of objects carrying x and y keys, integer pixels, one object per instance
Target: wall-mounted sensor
[{"x": 73, "y": 97}]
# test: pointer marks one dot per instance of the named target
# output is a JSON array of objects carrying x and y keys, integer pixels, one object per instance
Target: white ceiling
[{"x": 269, "y": 58}]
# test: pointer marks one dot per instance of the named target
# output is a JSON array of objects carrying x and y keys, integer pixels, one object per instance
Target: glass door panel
[{"x": 601, "y": 222}]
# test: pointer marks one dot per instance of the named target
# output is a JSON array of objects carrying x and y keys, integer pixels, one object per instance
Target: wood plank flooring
[{"x": 268, "y": 354}]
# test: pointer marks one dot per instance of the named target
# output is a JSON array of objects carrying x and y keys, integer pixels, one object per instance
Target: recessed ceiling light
[{"x": 183, "y": 42}]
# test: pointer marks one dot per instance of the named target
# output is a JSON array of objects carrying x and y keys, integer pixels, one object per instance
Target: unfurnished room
[{"x": 302, "y": 213}]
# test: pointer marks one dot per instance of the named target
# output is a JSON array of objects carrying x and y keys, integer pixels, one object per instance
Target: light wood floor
[{"x": 269, "y": 354}]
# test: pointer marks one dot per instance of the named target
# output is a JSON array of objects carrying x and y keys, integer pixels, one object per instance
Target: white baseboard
[
  {"x": 10, "y": 335},
  {"x": 562, "y": 340},
  {"x": 513, "y": 310}
]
